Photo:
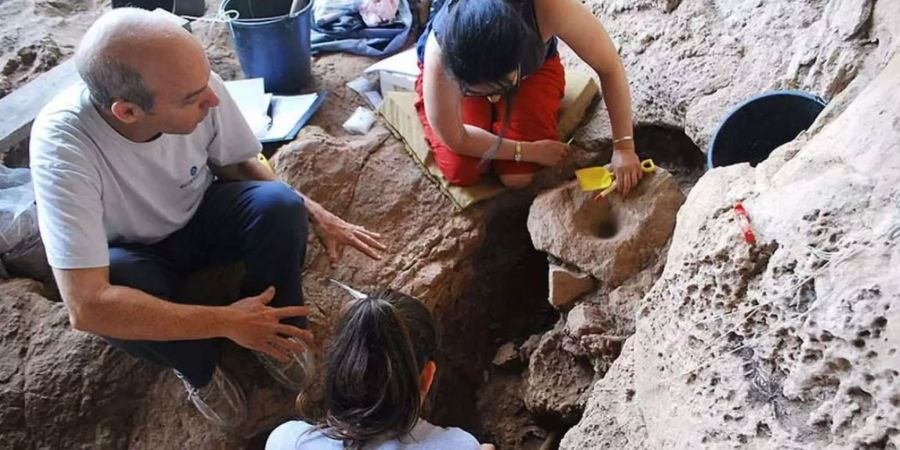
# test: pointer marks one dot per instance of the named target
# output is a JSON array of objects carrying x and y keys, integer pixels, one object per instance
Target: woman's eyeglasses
[{"x": 503, "y": 87}]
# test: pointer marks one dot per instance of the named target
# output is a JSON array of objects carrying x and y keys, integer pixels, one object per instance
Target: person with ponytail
[
  {"x": 492, "y": 82},
  {"x": 379, "y": 369}
]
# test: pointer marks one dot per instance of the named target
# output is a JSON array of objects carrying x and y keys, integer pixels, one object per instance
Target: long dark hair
[
  {"x": 373, "y": 365},
  {"x": 481, "y": 43}
]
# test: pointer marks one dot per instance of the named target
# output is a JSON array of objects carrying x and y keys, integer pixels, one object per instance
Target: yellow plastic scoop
[
  {"x": 600, "y": 178},
  {"x": 594, "y": 178},
  {"x": 647, "y": 166}
]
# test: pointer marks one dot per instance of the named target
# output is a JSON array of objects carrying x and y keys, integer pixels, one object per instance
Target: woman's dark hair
[
  {"x": 481, "y": 43},
  {"x": 377, "y": 354}
]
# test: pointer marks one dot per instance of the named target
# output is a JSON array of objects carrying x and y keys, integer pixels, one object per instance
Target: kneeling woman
[
  {"x": 379, "y": 369},
  {"x": 492, "y": 83}
]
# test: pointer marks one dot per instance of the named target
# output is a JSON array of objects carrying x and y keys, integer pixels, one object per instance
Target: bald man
[{"x": 145, "y": 172}]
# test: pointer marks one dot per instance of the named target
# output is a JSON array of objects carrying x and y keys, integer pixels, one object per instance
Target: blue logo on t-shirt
[{"x": 195, "y": 174}]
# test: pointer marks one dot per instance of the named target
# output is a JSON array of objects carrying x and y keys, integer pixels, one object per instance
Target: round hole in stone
[
  {"x": 597, "y": 219},
  {"x": 606, "y": 230}
]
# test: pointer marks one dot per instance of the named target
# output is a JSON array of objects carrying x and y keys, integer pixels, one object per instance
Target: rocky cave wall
[{"x": 791, "y": 343}]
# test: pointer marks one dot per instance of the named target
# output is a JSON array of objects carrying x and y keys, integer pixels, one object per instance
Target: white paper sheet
[
  {"x": 271, "y": 117},
  {"x": 286, "y": 112},
  {"x": 406, "y": 63},
  {"x": 253, "y": 102}
]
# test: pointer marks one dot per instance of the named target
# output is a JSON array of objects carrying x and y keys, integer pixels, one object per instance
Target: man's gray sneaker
[
  {"x": 297, "y": 373},
  {"x": 221, "y": 401}
]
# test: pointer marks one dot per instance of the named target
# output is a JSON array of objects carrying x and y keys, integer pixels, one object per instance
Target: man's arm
[
  {"x": 98, "y": 307},
  {"x": 232, "y": 143},
  {"x": 331, "y": 229}
]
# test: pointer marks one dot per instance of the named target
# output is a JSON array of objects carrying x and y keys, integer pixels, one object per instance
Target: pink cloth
[{"x": 378, "y": 12}]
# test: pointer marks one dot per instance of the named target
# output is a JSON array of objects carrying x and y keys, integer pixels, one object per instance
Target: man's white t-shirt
[
  {"x": 93, "y": 186},
  {"x": 299, "y": 435}
]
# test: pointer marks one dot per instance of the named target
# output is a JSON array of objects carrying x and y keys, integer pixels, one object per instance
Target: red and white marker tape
[{"x": 746, "y": 225}]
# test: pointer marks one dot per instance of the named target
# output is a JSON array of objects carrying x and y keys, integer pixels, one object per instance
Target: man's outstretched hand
[
  {"x": 335, "y": 233},
  {"x": 257, "y": 326}
]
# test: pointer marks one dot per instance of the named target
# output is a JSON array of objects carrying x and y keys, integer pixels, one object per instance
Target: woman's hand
[
  {"x": 627, "y": 167},
  {"x": 547, "y": 152}
]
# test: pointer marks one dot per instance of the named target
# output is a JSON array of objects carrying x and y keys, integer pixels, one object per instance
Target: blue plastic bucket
[
  {"x": 759, "y": 125},
  {"x": 271, "y": 44}
]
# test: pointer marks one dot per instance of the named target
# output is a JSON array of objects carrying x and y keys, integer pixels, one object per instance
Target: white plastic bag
[
  {"x": 325, "y": 12},
  {"x": 360, "y": 122},
  {"x": 21, "y": 249},
  {"x": 18, "y": 218}
]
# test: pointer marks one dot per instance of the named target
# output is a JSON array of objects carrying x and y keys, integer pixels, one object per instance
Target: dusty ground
[{"x": 39, "y": 34}]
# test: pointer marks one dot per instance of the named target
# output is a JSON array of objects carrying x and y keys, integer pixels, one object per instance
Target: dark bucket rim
[
  {"x": 262, "y": 20},
  {"x": 751, "y": 99}
]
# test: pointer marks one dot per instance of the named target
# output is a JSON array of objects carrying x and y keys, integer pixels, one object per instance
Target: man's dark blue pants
[{"x": 262, "y": 224}]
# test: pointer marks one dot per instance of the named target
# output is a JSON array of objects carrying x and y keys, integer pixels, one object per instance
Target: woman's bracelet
[
  {"x": 517, "y": 157},
  {"x": 620, "y": 140}
]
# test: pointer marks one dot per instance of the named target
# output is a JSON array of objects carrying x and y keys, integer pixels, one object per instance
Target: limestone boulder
[
  {"x": 507, "y": 356},
  {"x": 557, "y": 381},
  {"x": 507, "y": 422},
  {"x": 793, "y": 342},
  {"x": 598, "y": 326},
  {"x": 609, "y": 420},
  {"x": 611, "y": 240},
  {"x": 566, "y": 285}
]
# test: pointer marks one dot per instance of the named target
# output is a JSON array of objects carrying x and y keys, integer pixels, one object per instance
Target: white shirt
[
  {"x": 93, "y": 186},
  {"x": 299, "y": 435}
]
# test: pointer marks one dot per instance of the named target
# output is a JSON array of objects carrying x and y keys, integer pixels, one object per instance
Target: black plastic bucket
[
  {"x": 150, "y": 5},
  {"x": 271, "y": 44},
  {"x": 759, "y": 125},
  {"x": 192, "y": 8}
]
